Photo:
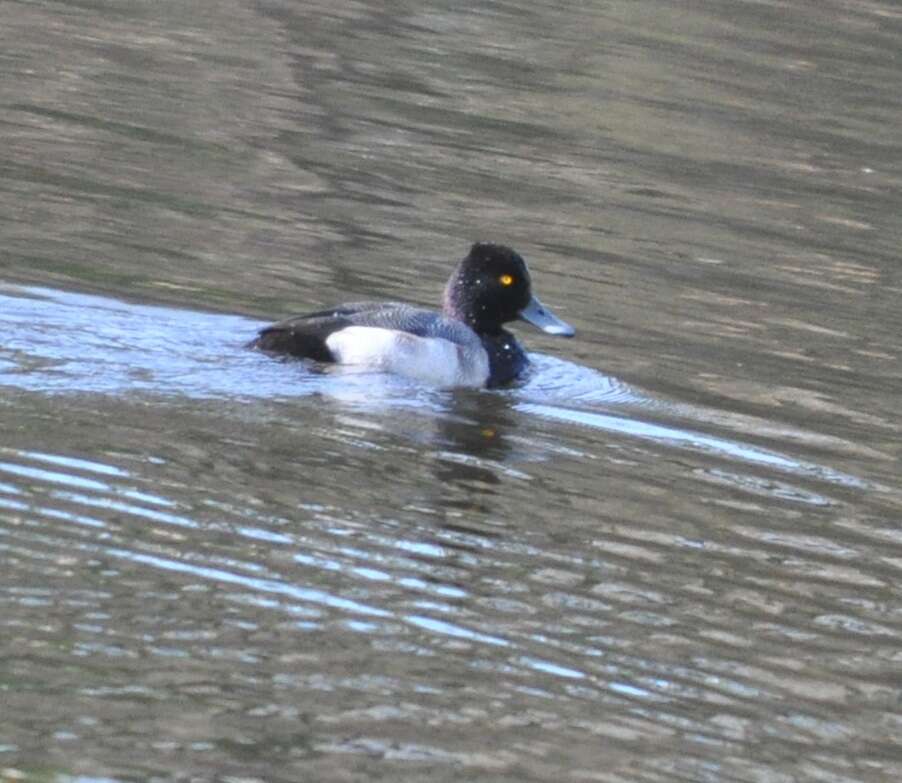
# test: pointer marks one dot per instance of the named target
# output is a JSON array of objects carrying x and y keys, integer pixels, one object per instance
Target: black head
[{"x": 491, "y": 287}]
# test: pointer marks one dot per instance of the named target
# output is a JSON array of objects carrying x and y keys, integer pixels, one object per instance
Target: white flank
[{"x": 429, "y": 359}]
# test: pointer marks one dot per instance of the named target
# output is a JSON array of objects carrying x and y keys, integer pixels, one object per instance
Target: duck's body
[{"x": 464, "y": 345}]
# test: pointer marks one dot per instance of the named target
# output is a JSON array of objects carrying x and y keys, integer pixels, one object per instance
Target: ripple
[
  {"x": 63, "y": 342},
  {"x": 557, "y": 380}
]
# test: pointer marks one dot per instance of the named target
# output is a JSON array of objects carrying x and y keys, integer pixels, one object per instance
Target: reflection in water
[
  {"x": 259, "y": 588},
  {"x": 695, "y": 440},
  {"x": 57, "y": 341},
  {"x": 69, "y": 343},
  {"x": 257, "y": 567},
  {"x": 219, "y": 566}
]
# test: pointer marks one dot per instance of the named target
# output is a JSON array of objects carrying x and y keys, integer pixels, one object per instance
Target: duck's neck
[{"x": 472, "y": 314}]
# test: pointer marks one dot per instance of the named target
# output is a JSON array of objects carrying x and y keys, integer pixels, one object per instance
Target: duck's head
[{"x": 491, "y": 287}]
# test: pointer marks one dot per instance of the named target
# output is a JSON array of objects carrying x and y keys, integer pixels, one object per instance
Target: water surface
[{"x": 672, "y": 553}]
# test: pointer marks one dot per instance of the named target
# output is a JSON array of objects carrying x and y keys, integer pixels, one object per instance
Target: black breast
[{"x": 507, "y": 360}]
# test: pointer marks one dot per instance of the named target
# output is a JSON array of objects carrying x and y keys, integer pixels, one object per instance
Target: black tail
[{"x": 304, "y": 337}]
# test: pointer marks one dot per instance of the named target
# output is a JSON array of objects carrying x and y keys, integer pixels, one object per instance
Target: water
[{"x": 672, "y": 553}]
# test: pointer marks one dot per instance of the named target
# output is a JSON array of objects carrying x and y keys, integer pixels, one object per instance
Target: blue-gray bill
[{"x": 538, "y": 315}]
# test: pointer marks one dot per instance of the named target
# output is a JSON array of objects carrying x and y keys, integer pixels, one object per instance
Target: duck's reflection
[{"x": 471, "y": 460}]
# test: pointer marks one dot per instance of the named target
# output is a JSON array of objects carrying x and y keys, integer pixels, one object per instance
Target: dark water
[{"x": 673, "y": 553}]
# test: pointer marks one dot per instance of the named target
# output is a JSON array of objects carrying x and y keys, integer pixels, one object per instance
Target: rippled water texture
[{"x": 672, "y": 553}]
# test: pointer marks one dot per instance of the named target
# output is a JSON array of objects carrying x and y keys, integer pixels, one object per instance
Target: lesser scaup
[{"x": 465, "y": 345}]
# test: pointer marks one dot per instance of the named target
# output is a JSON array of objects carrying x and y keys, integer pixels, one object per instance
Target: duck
[{"x": 464, "y": 345}]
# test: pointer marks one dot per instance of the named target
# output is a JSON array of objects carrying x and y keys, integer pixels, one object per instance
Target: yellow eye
[{"x": 506, "y": 279}]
